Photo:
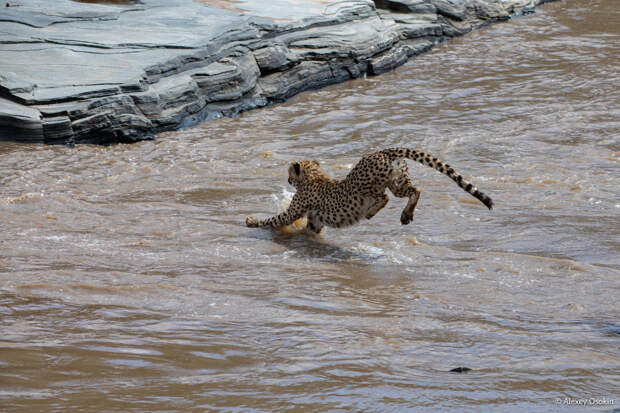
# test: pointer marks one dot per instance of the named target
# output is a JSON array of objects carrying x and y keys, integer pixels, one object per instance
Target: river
[{"x": 129, "y": 282}]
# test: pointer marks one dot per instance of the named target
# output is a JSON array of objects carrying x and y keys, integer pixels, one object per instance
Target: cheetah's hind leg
[{"x": 403, "y": 188}]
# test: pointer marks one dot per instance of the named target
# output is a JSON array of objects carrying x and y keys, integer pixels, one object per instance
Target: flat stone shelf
[{"x": 120, "y": 71}]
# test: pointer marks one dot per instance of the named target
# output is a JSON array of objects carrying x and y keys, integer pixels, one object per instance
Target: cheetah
[{"x": 341, "y": 203}]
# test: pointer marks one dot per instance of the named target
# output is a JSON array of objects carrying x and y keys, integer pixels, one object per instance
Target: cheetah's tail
[{"x": 442, "y": 167}]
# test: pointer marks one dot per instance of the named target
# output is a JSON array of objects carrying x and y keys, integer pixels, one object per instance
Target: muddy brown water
[{"x": 128, "y": 281}]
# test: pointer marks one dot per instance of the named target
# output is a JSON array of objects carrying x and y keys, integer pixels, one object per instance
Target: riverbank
[{"x": 74, "y": 72}]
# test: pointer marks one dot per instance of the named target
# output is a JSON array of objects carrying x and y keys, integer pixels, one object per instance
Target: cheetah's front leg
[
  {"x": 293, "y": 213},
  {"x": 280, "y": 220},
  {"x": 314, "y": 222},
  {"x": 380, "y": 203}
]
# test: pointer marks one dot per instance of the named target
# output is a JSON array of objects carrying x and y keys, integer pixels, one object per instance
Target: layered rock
[{"x": 90, "y": 73}]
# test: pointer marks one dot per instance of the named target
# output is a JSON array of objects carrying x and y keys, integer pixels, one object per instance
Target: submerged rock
[
  {"x": 74, "y": 72},
  {"x": 460, "y": 370}
]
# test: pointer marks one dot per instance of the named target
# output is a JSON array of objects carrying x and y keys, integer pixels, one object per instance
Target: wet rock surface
[{"x": 73, "y": 72}]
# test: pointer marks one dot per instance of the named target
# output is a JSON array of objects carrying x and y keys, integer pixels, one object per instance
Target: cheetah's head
[{"x": 305, "y": 172}]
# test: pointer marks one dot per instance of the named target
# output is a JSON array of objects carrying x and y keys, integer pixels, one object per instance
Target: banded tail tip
[{"x": 488, "y": 202}]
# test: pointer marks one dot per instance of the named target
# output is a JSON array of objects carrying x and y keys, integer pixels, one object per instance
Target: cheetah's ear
[
  {"x": 297, "y": 168},
  {"x": 315, "y": 162}
]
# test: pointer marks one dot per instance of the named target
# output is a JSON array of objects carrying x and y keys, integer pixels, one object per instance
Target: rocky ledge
[{"x": 86, "y": 72}]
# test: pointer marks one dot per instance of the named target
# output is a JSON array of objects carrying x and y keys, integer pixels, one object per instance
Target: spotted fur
[{"x": 341, "y": 203}]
